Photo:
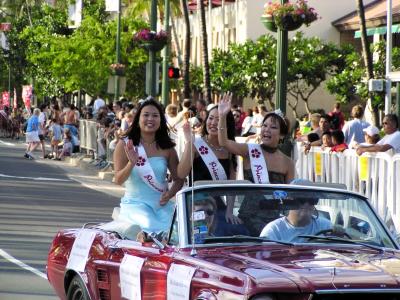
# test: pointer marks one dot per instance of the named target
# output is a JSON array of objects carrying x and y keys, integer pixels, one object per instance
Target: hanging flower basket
[
  {"x": 288, "y": 16},
  {"x": 117, "y": 69},
  {"x": 153, "y": 45},
  {"x": 269, "y": 23},
  {"x": 150, "y": 40}
]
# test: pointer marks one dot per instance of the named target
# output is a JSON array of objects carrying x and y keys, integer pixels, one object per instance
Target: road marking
[
  {"x": 35, "y": 178},
  {"x": 21, "y": 264},
  {"x": 6, "y": 143}
]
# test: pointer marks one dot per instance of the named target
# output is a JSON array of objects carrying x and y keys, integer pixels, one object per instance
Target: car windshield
[{"x": 233, "y": 214}]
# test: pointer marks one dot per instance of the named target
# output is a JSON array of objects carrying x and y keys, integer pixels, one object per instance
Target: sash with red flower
[{"x": 258, "y": 164}]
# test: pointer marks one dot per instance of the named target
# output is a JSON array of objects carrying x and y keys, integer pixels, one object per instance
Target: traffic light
[{"x": 174, "y": 73}]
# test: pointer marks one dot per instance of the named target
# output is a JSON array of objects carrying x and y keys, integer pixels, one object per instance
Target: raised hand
[
  {"x": 131, "y": 152},
  {"x": 187, "y": 132},
  {"x": 224, "y": 105}
]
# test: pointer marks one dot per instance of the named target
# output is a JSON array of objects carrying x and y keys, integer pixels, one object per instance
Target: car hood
[{"x": 312, "y": 268}]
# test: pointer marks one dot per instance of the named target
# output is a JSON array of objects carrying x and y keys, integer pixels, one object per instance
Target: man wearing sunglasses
[{"x": 391, "y": 140}]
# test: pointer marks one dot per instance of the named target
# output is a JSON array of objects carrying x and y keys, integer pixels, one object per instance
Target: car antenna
[{"x": 193, "y": 252}]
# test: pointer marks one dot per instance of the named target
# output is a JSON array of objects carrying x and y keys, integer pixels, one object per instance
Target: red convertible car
[{"x": 290, "y": 242}]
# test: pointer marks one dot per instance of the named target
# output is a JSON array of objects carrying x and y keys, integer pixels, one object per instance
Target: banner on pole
[
  {"x": 15, "y": 102},
  {"x": 75, "y": 14},
  {"x": 27, "y": 95},
  {"x": 5, "y": 26},
  {"x": 112, "y": 5},
  {"x": 5, "y": 97}
]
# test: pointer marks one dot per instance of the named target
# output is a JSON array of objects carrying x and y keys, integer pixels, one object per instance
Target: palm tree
[{"x": 203, "y": 38}]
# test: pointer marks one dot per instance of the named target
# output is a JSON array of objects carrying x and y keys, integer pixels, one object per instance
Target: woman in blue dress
[{"x": 141, "y": 162}]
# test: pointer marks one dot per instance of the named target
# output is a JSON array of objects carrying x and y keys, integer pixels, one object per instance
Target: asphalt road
[{"x": 37, "y": 198}]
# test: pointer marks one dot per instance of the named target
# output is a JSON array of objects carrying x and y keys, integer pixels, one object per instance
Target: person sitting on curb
[{"x": 391, "y": 140}]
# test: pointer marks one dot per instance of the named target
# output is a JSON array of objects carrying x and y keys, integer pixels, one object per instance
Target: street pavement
[{"x": 38, "y": 198}]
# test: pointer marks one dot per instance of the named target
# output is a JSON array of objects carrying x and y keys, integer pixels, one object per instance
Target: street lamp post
[
  {"x": 165, "y": 79},
  {"x": 281, "y": 67},
  {"x": 152, "y": 53},
  {"x": 118, "y": 55}
]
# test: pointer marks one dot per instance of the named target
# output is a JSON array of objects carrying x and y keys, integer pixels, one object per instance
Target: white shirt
[
  {"x": 393, "y": 140},
  {"x": 281, "y": 230},
  {"x": 42, "y": 122},
  {"x": 246, "y": 125},
  {"x": 97, "y": 104}
]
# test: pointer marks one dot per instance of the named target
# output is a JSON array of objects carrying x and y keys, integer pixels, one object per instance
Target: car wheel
[{"x": 77, "y": 290}]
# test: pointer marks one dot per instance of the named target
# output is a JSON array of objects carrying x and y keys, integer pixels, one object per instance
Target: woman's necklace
[
  {"x": 213, "y": 146},
  {"x": 148, "y": 144}
]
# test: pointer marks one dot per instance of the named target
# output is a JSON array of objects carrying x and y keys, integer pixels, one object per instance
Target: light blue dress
[{"x": 141, "y": 204}]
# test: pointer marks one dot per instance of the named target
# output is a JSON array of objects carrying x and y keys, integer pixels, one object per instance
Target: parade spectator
[
  {"x": 117, "y": 107},
  {"x": 338, "y": 144},
  {"x": 171, "y": 112},
  {"x": 353, "y": 130},
  {"x": 223, "y": 163},
  {"x": 201, "y": 109},
  {"x": 17, "y": 120},
  {"x": 238, "y": 125},
  {"x": 314, "y": 123},
  {"x": 247, "y": 128},
  {"x": 67, "y": 145},
  {"x": 141, "y": 161},
  {"x": 257, "y": 120},
  {"x": 56, "y": 137},
  {"x": 71, "y": 120},
  {"x": 32, "y": 134},
  {"x": 42, "y": 128},
  {"x": 371, "y": 135},
  {"x": 98, "y": 103},
  {"x": 336, "y": 117},
  {"x": 391, "y": 140},
  {"x": 326, "y": 140}
]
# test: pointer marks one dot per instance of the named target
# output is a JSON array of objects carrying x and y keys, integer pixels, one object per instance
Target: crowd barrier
[{"x": 374, "y": 175}]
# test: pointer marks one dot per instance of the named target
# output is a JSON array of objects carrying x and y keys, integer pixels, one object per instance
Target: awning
[{"x": 377, "y": 30}]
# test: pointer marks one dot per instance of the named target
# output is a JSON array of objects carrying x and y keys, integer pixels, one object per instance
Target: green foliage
[
  {"x": 351, "y": 82},
  {"x": 309, "y": 62}
]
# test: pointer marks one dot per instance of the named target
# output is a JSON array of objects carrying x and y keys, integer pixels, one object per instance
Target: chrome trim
[{"x": 361, "y": 291}]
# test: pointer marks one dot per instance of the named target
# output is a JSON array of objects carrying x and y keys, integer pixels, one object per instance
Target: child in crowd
[
  {"x": 67, "y": 145},
  {"x": 56, "y": 133},
  {"x": 326, "y": 140},
  {"x": 371, "y": 134},
  {"x": 338, "y": 141}
]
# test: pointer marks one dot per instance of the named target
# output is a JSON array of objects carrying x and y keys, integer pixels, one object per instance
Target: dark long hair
[
  {"x": 282, "y": 121},
  {"x": 162, "y": 137},
  {"x": 230, "y": 126}
]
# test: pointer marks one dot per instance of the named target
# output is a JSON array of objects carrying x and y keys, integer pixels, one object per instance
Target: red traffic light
[{"x": 173, "y": 73}]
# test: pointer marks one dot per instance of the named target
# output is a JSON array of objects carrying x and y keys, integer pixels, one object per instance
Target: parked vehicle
[{"x": 202, "y": 257}]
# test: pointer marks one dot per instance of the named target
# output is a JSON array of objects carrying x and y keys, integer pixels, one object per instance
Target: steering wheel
[{"x": 333, "y": 232}]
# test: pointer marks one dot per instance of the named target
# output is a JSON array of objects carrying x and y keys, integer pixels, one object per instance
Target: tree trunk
[
  {"x": 186, "y": 59},
  {"x": 203, "y": 38},
  {"x": 367, "y": 57}
]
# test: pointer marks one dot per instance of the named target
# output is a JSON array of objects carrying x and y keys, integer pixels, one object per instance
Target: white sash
[
  {"x": 145, "y": 171},
  {"x": 257, "y": 164},
  {"x": 209, "y": 158}
]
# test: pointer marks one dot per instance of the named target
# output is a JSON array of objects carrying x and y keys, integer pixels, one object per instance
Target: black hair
[
  {"x": 283, "y": 122},
  {"x": 43, "y": 106},
  {"x": 338, "y": 135},
  {"x": 312, "y": 137},
  {"x": 326, "y": 133},
  {"x": 230, "y": 126},
  {"x": 162, "y": 137},
  {"x": 393, "y": 118}
]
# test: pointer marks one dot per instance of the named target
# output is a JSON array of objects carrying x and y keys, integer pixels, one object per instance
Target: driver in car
[{"x": 300, "y": 221}]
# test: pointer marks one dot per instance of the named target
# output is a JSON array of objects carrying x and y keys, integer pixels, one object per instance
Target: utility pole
[
  {"x": 118, "y": 55},
  {"x": 281, "y": 67},
  {"x": 165, "y": 79}
]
